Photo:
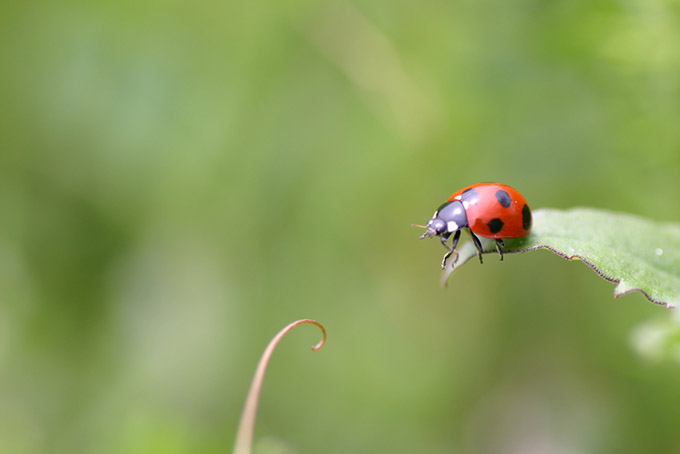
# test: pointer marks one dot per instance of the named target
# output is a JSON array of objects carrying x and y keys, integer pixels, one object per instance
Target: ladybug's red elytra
[{"x": 490, "y": 210}]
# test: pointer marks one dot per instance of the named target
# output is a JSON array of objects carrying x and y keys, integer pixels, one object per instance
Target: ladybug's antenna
[{"x": 429, "y": 231}]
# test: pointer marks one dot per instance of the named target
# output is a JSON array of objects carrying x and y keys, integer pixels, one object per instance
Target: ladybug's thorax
[{"x": 453, "y": 216}]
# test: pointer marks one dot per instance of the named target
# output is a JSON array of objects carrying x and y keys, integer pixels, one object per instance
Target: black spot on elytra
[
  {"x": 503, "y": 198},
  {"x": 495, "y": 225},
  {"x": 470, "y": 196},
  {"x": 526, "y": 217}
]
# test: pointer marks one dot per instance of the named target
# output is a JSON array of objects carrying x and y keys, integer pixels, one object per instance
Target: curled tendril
[{"x": 244, "y": 435}]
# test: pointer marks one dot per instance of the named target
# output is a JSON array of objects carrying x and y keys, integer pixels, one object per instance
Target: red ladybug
[{"x": 491, "y": 210}]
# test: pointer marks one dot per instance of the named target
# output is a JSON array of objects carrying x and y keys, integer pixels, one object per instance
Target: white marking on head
[
  {"x": 466, "y": 204},
  {"x": 451, "y": 226}
]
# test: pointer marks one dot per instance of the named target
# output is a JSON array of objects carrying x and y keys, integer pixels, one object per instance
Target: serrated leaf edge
[
  {"x": 617, "y": 293},
  {"x": 599, "y": 272}
]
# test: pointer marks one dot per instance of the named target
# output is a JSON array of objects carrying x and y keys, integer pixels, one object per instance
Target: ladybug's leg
[
  {"x": 499, "y": 245},
  {"x": 452, "y": 248},
  {"x": 478, "y": 245}
]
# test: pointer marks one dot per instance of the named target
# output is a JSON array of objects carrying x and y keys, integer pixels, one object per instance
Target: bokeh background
[{"x": 180, "y": 180}]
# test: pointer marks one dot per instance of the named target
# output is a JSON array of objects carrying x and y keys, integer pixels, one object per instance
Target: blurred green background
[{"x": 178, "y": 181}]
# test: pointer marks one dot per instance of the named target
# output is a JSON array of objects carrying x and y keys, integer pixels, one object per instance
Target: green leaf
[
  {"x": 635, "y": 253},
  {"x": 658, "y": 339}
]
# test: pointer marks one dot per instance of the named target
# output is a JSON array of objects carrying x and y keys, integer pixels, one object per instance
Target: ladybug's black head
[
  {"x": 435, "y": 227},
  {"x": 448, "y": 218}
]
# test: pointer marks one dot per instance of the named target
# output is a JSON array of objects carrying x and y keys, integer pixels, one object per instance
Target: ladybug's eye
[{"x": 437, "y": 225}]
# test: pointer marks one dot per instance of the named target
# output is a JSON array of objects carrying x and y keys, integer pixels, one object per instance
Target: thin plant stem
[{"x": 246, "y": 427}]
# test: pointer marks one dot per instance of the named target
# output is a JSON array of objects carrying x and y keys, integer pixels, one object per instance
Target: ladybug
[{"x": 490, "y": 210}]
